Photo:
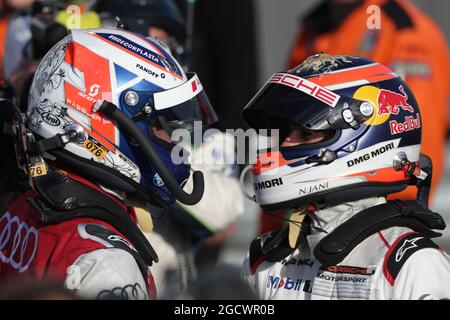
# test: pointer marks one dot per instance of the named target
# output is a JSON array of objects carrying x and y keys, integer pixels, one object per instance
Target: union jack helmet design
[{"x": 143, "y": 81}]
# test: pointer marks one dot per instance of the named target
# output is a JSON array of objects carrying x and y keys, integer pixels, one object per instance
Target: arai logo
[
  {"x": 157, "y": 181},
  {"x": 51, "y": 119}
]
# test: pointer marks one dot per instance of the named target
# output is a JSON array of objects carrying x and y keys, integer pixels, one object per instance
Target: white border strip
[
  {"x": 178, "y": 95},
  {"x": 345, "y": 85},
  {"x": 353, "y": 68}
]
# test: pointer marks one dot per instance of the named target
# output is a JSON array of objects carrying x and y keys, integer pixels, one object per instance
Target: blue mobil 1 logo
[{"x": 287, "y": 283}]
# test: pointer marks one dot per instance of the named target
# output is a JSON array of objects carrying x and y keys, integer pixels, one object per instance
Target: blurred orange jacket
[
  {"x": 3, "y": 35},
  {"x": 408, "y": 41}
]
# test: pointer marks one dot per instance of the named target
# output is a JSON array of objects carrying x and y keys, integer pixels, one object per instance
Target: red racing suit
[{"x": 92, "y": 258}]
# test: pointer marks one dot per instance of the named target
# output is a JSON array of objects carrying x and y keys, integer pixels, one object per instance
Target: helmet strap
[
  {"x": 295, "y": 225},
  {"x": 144, "y": 219},
  {"x": 143, "y": 215}
]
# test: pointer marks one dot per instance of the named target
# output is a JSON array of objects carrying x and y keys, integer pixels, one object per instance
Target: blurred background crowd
[{"x": 234, "y": 46}]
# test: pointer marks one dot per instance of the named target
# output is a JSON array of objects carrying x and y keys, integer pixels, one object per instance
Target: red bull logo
[
  {"x": 390, "y": 102},
  {"x": 409, "y": 124}
]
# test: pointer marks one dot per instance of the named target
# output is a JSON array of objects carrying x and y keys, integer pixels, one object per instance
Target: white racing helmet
[
  {"x": 370, "y": 121},
  {"x": 94, "y": 102}
]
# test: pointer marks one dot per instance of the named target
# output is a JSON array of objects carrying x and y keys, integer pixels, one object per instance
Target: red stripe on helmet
[
  {"x": 372, "y": 73},
  {"x": 270, "y": 160},
  {"x": 97, "y": 81}
]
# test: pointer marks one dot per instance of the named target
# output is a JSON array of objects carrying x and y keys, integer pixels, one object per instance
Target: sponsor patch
[
  {"x": 390, "y": 102},
  {"x": 306, "y": 86},
  {"x": 268, "y": 184},
  {"x": 37, "y": 170},
  {"x": 134, "y": 47},
  {"x": 95, "y": 148},
  {"x": 343, "y": 282},
  {"x": 150, "y": 71},
  {"x": 409, "y": 124},
  {"x": 145, "y": 54},
  {"x": 340, "y": 278},
  {"x": 51, "y": 119},
  {"x": 288, "y": 283},
  {"x": 386, "y": 103},
  {"x": 19, "y": 243},
  {"x": 298, "y": 262},
  {"x": 369, "y": 155},
  {"x": 348, "y": 269}
]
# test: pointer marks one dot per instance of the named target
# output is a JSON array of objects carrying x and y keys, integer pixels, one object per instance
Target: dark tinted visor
[
  {"x": 180, "y": 107},
  {"x": 286, "y": 98},
  {"x": 185, "y": 114}
]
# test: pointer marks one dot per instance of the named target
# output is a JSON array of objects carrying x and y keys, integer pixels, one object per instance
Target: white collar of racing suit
[{"x": 329, "y": 219}]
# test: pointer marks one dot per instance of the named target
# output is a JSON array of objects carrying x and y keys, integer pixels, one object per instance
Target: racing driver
[
  {"x": 97, "y": 150},
  {"x": 350, "y": 134}
]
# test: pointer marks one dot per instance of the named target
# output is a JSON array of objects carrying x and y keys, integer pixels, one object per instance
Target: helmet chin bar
[
  {"x": 340, "y": 195},
  {"x": 419, "y": 174},
  {"x": 126, "y": 124}
]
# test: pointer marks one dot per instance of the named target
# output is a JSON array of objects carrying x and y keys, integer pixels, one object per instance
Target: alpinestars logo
[
  {"x": 115, "y": 237},
  {"x": 409, "y": 244}
]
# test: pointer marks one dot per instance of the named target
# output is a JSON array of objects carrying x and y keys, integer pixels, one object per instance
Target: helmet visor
[
  {"x": 289, "y": 98},
  {"x": 182, "y": 106}
]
